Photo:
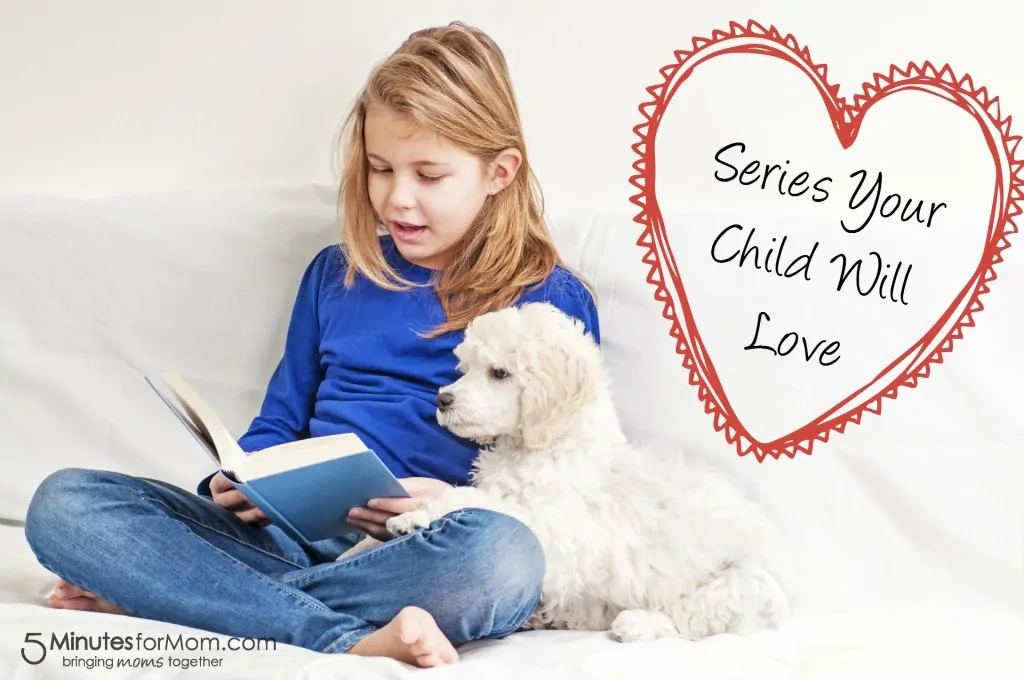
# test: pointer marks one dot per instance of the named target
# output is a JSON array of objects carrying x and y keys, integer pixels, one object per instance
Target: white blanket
[
  {"x": 931, "y": 638},
  {"x": 927, "y": 639}
]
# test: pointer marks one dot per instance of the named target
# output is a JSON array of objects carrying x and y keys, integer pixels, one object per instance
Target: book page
[
  {"x": 231, "y": 456},
  {"x": 301, "y": 453},
  {"x": 185, "y": 417}
]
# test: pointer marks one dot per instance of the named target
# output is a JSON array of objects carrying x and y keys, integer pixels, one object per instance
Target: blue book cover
[
  {"x": 312, "y": 502},
  {"x": 305, "y": 487}
]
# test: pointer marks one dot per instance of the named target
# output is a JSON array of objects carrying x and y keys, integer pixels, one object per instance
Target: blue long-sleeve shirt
[{"x": 353, "y": 362}]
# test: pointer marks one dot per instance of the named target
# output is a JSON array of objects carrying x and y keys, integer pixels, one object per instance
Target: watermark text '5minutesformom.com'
[{"x": 36, "y": 647}]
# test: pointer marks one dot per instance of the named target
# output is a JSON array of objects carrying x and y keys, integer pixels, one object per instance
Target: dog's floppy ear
[{"x": 560, "y": 379}]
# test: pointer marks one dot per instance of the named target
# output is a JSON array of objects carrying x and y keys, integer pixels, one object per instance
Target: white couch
[{"x": 908, "y": 532}]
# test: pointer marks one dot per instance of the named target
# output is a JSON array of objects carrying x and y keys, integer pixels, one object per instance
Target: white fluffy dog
[{"x": 645, "y": 544}]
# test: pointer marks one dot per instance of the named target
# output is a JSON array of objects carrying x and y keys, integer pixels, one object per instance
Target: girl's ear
[{"x": 503, "y": 170}]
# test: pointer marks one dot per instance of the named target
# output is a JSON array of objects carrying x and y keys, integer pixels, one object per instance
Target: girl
[{"x": 443, "y": 223}]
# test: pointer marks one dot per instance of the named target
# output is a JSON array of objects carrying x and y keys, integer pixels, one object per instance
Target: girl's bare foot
[
  {"x": 412, "y": 637},
  {"x": 69, "y": 596}
]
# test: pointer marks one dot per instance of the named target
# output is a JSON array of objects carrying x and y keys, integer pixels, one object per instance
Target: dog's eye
[{"x": 499, "y": 373}]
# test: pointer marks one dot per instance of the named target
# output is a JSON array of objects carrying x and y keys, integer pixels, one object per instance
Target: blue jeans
[{"x": 160, "y": 552}]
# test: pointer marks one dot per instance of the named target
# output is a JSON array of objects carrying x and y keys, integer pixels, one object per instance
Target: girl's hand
[
  {"x": 227, "y": 496},
  {"x": 371, "y": 519}
]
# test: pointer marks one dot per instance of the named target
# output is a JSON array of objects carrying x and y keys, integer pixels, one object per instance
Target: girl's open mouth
[{"x": 408, "y": 232}]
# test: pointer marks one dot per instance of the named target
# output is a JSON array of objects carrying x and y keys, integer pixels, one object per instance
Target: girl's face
[{"x": 426, "y": 190}]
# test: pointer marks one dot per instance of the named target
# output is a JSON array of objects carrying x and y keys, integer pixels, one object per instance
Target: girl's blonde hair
[{"x": 454, "y": 81}]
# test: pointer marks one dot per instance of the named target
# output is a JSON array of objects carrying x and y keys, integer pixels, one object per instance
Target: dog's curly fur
[{"x": 641, "y": 542}]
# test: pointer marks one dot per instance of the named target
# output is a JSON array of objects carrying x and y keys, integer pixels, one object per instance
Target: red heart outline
[{"x": 938, "y": 340}]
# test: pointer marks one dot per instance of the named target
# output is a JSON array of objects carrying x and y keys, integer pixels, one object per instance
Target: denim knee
[
  {"x": 60, "y": 504},
  {"x": 506, "y": 563},
  {"x": 513, "y": 556}
]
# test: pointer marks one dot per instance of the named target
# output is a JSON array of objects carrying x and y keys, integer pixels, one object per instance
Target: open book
[{"x": 307, "y": 487}]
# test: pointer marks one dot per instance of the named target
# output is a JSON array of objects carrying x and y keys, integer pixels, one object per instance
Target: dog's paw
[
  {"x": 408, "y": 522},
  {"x": 639, "y": 625},
  {"x": 698, "y": 623}
]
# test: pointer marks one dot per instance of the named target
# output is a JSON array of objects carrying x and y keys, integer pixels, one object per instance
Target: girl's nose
[{"x": 402, "y": 196}]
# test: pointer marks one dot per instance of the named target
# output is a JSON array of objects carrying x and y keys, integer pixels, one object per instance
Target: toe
[
  {"x": 63, "y": 589},
  {"x": 428, "y": 660},
  {"x": 423, "y": 647},
  {"x": 410, "y": 631},
  {"x": 74, "y": 603},
  {"x": 108, "y": 608}
]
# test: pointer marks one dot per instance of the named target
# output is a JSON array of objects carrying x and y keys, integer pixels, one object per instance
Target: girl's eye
[
  {"x": 379, "y": 170},
  {"x": 431, "y": 178}
]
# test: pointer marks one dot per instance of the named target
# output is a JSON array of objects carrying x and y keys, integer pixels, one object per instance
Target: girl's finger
[
  {"x": 233, "y": 500},
  {"x": 219, "y": 483},
  {"x": 396, "y": 506},
  {"x": 371, "y": 516},
  {"x": 251, "y": 516}
]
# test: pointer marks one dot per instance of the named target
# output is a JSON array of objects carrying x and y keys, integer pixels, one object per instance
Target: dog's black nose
[{"x": 445, "y": 399}]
